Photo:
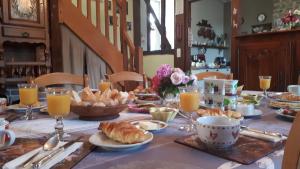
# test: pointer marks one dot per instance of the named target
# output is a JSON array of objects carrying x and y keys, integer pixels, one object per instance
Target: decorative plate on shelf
[{"x": 261, "y": 17}]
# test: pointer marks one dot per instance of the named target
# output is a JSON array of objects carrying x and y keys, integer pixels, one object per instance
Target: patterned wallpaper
[{"x": 281, "y": 7}]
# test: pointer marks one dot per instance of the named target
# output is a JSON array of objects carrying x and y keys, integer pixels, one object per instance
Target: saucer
[{"x": 256, "y": 113}]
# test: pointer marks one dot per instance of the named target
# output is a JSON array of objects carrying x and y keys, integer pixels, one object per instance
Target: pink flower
[
  {"x": 178, "y": 70},
  {"x": 155, "y": 83},
  {"x": 185, "y": 79},
  {"x": 164, "y": 70},
  {"x": 176, "y": 78}
]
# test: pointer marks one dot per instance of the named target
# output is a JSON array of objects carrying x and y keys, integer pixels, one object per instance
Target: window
[{"x": 157, "y": 25}]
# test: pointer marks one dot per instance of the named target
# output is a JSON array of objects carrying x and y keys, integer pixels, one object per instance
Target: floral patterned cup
[{"x": 218, "y": 132}]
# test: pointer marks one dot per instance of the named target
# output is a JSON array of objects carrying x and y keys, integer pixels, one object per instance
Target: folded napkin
[
  {"x": 29, "y": 128},
  {"x": 56, "y": 159},
  {"x": 262, "y": 136}
]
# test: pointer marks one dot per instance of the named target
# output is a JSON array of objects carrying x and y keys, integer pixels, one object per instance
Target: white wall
[
  {"x": 152, "y": 62},
  {"x": 213, "y": 11}
]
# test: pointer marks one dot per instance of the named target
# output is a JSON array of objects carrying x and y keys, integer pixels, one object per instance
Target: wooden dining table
[{"x": 163, "y": 153}]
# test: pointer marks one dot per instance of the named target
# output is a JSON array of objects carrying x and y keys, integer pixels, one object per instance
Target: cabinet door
[
  {"x": 264, "y": 58},
  {"x": 24, "y": 12}
]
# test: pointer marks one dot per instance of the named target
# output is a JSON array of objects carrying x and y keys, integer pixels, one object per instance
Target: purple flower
[
  {"x": 185, "y": 79},
  {"x": 164, "y": 70},
  {"x": 176, "y": 78}
]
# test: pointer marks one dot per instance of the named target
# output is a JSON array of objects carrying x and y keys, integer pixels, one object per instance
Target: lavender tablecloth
[{"x": 164, "y": 153}]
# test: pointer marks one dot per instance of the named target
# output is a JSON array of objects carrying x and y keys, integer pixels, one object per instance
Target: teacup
[
  {"x": 218, "y": 132},
  {"x": 295, "y": 89},
  {"x": 7, "y": 137},
  {"x": 245, "y": 109}
]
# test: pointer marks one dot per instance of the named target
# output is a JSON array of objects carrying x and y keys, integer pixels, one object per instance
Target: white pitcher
[{"x": 4, "y": 134}]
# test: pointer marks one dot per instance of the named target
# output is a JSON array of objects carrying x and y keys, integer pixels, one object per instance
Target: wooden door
[
  {"x": 264, "y": 58},
  {"x": 24, "y": 12}
]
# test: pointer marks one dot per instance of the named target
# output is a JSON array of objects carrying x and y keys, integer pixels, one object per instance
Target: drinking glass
[
  {"x": 28, "y": 94},
  {"x": 189, "y": 101},
  {"x": 104, "y": 85},
  {"x": 264, "y": 83},
  {"x": 59, "y": 102}
]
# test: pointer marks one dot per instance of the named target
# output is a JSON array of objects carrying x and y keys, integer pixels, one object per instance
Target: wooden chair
[
  {"x": 126, "y": 76},
  {"x": 59, "y": 78},
  {"x": 292, "y": 147},
  {"x": 218, "y": 75}
]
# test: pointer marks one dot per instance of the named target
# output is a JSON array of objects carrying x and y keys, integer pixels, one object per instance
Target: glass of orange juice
[
  {"x": 104, "y": 85},
  {"x": 28, "y": 94},
  {"x": 265, "y": 83},
  {"x": 59, "y": 101},
  {"x": 189, "y": 101}
]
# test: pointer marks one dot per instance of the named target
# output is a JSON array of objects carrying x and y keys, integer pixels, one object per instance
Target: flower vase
[{"x": 171, "y": 100}]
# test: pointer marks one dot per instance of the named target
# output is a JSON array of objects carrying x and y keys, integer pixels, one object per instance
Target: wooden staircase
[{"x": 118, "y": 58}]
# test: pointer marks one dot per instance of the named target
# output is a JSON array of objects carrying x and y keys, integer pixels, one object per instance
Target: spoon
[{"x": 51, "y": 143}]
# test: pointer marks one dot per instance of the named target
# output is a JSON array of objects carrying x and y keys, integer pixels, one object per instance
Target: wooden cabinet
[
  {"x": 272, "y": 54},
  {"x": 24, "y": 42}
]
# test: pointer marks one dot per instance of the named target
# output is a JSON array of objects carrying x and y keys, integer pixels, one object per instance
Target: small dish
[
  {"x": 164, "y": 114},
  {"x": 255, "y": 113},
  {"x": 281, "y": 114},
  {"x": 162, "y": 125},
  {"x": 17, "y": 107}
]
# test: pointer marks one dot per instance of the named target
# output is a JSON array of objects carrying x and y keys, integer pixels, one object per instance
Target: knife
[
  {"x": 274, "y": 134},
  {"x": 48, "y": 157}
]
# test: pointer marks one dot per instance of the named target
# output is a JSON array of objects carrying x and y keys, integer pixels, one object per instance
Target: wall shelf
[
  {"x": 20, "y": 79},
  {"x": 25, "y": 63},
  {"x": 210, "y": 46}
]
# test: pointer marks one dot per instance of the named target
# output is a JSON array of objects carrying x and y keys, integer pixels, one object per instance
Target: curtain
[{"x": 74, "y": 54}]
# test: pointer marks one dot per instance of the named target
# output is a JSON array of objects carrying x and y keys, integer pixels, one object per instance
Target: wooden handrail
[{"x": 100, "y": 42}]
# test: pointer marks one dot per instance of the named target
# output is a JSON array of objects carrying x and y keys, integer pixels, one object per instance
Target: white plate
[
  {"x": 145, "y": 94},
  {"x": 279, "y": 112},
  {"x": 44, "y": 110},
  {"x": 18, "y": 108},
  {"x": 254, "y": 114},
  {"x": 148, "y": 101},
  {"x": 274, "y": 95},
  {"x": 99, "y": 139},
  {"x": 162, "y": 125}
]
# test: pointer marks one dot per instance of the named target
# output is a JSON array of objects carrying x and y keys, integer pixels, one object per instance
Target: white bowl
[{"x": 218, "y": 132}]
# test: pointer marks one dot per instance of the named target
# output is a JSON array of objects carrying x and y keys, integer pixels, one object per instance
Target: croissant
[{"x": 123, "y": 132}]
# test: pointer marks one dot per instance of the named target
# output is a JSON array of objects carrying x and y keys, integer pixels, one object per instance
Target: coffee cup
[
  {"x": 3, "y": 103},
  {"x": 245, "y": 109},
  {"x": 7, "y": 137},
  {"x": 295, "y": 89}
]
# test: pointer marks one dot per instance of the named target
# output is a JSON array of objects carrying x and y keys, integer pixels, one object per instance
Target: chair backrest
[
  {"x": 61, "y": 78},
  {"x": 292, "y": 147},
  {"x": 127, "y": 76},
  {"x": 218, "y": 75}
]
